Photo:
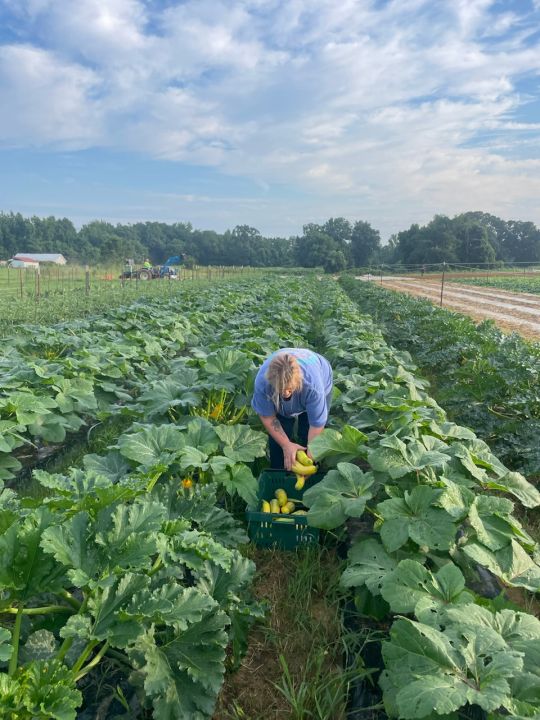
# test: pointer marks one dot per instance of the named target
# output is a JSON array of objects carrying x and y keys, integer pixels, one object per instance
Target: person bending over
[{"x": 293, "y": 385}]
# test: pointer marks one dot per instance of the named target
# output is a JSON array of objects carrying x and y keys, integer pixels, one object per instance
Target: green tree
[
  {"x": 473, "y": 243},
  {"x": 365, "y": 243},
  {"x": 315, "y": 248}
]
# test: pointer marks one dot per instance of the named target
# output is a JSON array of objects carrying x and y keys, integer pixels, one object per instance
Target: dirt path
[{"x": 512, "y": 312}]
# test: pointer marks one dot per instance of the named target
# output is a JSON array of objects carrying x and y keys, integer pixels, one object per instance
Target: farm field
[
  {"x": 526, "y": 283},
  {"x": 62, "y": 293},
  {"x": 484, "y": 378},
  {"x": 511, "y": 311},
  {"x": 129, "y": 588}
]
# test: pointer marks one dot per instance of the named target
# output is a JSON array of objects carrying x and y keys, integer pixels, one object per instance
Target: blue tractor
[{"x": 154, "y": 272}]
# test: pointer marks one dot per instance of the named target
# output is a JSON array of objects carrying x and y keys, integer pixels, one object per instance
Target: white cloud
[
  {"x": 46, "y": 101},
  {"x": 372, "y": 111}
]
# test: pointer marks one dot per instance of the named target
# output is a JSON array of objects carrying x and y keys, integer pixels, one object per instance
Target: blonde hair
[{"x": 284, "y": 372}]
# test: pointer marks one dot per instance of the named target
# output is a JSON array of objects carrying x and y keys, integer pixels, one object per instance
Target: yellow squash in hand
[
  {"x": 300, "y": 469},
  {"x": 303, "y": 458}
]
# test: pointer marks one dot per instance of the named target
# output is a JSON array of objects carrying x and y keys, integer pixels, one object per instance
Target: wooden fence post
[{"x": 442, "y": 281}]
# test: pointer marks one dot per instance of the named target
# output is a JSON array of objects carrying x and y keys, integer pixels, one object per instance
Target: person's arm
[
  {"x": 313, "y": 432},
  {"x": 274, "y": 429}
]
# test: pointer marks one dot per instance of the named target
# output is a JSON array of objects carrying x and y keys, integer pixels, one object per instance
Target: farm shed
[
  {"x": 55, "y": 258},
  {"x": 22, "y": 261}
]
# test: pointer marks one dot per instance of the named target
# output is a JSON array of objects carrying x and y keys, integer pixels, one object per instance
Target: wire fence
[
  {"x": 468, "y": 269},
  {"x": 49, "y": 294},
  {"x": 40, "y": 282},
  {"x": 441, "y": 273}
]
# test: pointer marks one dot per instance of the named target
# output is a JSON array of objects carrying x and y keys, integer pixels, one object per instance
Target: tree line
[{"x": 337, "y": 244}]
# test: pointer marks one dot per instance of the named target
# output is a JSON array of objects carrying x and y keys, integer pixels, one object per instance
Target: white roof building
[
  {"x": 23, "y": 263},
  {"x": 56, "y": 258}
]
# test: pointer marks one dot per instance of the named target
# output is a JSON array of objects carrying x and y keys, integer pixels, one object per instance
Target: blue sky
[{"x": 270, "y": 113}]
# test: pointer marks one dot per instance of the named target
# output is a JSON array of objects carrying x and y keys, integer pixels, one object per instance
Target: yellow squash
[
  {"x": 303, "y": 458},
  {"x": 300, "y": 469},
  {"x": 274, "y": 506}
]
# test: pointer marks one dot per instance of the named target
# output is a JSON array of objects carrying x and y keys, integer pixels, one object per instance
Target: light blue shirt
[{"x": 313, "y": 398}]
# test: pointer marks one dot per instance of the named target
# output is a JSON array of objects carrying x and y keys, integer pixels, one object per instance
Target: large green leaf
[
  {"x": 25, "y": 569},
  {"x": 171, "y": 392},
  {"x": 229, "y": 588},
  {"x": 8, "y": 467},
  {"x": 39, "y": 645},
  {"x": 75, "y": 395},
  {"x": 239, "y": 479},
  {"x": 241, "y": 443},
  {"x": 42, "y": 690},
  {"x": 192, "y": 548},
  {"x": 414, "y": 516},
  {"x": 412, "y": 588},
  {"x": 397, "y": 458},
  {"x": 152, "y": 445},
  {"x": 369, "y": 563},
  {"x": 183, "y": 675},
  {"x": 27, "y": 407},
  {"x": 511, "y": 563},
  {"x": 515, "y": 484},
  {"x": 107, "y": 607},
  {"x": 128, "y": 536},
  {"x": 51, "y": 428},
  {"x": 199, "y": 507},
  {"x": 112, "y": 465},
  {"x": 200, "y": 433},
  {"x": 335, "y": 446},
  {"x": 432, "y": 670},
  {"x": 10, "y": 435},
  {"x": 225, "y": 586},
  {"x": 71, "y": 544},
  {"x": 341, "y": 494},
  {"x": 494, "y": 526},
  {"x": 455, "y": 499},
  {"x": 192, "y": 457},
  {"x": 169, "y": 605}
]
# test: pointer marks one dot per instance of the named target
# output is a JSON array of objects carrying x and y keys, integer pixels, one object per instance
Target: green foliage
[
  {"x": 485, "y": 379},
  {"x": 341, "y": 494},
  {"x": 120, "y": 560},
  {"x": 474, "y": 657}
]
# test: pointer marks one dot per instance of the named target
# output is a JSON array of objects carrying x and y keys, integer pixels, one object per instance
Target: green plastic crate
[{"x": 286, "y": 532}]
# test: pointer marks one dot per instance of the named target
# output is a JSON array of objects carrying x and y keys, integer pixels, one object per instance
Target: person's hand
[{"x": 289, "y": 454}]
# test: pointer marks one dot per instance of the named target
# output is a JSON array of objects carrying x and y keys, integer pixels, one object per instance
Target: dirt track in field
[{"x": 512, "y": 312}]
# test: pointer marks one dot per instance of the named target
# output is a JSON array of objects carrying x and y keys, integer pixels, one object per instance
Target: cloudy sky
[{"x": 272, "y": 113}]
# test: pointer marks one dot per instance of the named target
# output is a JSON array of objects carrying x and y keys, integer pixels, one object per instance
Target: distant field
[
  {"x": 513, "y": 283},
  {"x": 61, "y": 293}
]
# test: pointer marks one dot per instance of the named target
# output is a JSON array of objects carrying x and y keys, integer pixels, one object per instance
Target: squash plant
[{"x": 431, "y": 496}]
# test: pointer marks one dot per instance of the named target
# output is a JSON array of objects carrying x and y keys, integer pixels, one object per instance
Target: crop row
[
  {"x": 516, "y": 283},
  {"x": 432, "y": 534},
  {"x": 55, "y": 380},
  {"x": 132, "y": 562},
  {"x": 484, "y": 379}
]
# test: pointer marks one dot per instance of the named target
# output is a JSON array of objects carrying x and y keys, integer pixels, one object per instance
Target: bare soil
[{"x": 511, "y": 311}]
